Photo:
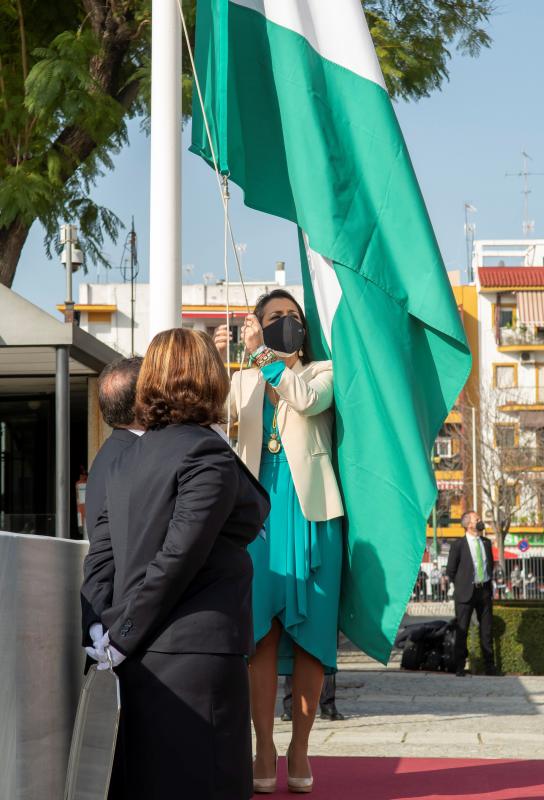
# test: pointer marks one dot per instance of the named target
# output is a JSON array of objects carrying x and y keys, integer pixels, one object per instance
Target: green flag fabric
[{"x": 301, "y": 120}]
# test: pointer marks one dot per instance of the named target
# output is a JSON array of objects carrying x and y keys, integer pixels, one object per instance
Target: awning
[
  {"x": 531, "y": 419},
  {"x": 531, "y": 308},
  {"x": 453, "y": 485},
  {"x": 508, "y": 553}
]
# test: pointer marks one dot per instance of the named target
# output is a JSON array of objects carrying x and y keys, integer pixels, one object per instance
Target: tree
[
  {"x": 510, "y": 486},
  {"x": 72, "y": 73}
]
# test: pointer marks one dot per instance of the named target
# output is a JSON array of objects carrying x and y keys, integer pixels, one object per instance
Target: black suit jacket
[
  {"x": 460, "y": 567},
  {"x": 95, "y": 494},
  {"x": 95, "y": 497},
  {"x": 168, "y": 568}
]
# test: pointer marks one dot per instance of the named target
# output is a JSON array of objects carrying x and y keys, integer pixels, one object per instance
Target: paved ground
[{"x": 390, "y": 712}]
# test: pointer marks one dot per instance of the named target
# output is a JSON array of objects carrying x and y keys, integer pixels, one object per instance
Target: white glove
[
  {"x": 98, "y": 652},
  {"x": 96, "y": 632}
]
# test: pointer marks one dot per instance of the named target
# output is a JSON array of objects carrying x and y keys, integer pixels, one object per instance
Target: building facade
[
  {"x": 509, "y": 278},
  {"x": 119, "y": 315}
]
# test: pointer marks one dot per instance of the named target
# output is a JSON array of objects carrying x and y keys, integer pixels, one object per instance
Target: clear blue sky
[{"x": 462, "y": 141}]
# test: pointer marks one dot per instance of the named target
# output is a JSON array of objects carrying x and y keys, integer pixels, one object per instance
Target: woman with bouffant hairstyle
[
  {"x": 182, "y": 379},
  {"x": 169, "y": 576}
]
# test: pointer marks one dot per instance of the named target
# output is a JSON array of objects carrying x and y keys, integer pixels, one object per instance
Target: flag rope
[{"x": 222, "y": 184}]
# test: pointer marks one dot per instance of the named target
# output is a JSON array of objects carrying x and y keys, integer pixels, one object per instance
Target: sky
[{"x": 462, "y": 140}]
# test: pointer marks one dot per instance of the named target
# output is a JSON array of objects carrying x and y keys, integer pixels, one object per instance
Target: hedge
[{"x": 518, "y": 638}]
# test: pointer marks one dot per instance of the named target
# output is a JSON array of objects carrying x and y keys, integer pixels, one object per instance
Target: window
[
  {"x": 507, "y": 498},
  {"x": 443, "y": 447},
  {"x": 506, "y": 317},
  {"x": 505, "y": 435},
  {"x": 504, "y": 376}
]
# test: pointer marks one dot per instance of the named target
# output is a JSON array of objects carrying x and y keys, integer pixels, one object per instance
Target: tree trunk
[
  {"x": 12, "y": 240},
  {"x": 500, "y": 544}
]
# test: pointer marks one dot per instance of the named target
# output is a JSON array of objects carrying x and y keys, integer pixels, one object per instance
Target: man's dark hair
[
  {"x": 117, "y": 391},
  {"x": 464, "y": 519}
]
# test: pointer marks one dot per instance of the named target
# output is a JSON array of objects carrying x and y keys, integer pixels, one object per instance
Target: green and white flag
[{"x": 302, "y": 121}]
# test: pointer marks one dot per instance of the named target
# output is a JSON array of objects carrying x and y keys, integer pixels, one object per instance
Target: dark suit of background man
[
  {"x": 470, "y": 567},
  {"x": 116, "y": 396}
]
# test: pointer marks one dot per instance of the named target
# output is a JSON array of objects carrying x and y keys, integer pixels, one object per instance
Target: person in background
[
  {"x": 420, "y": 588},
  {"x": 435, "y": 581},
  {"x": 327, "y": 700},
  {"x": 500, "y": 582},
  {"x": 470, "y": 567},
  {"x": 444, "y": 585},
  {"x": 530, "y": 585},
  {"x": 169, "y": 575},
  {"x": 516, "y": 581},
  {"x": 116, "y": 398},
  {"x": 283, "y": 406}
]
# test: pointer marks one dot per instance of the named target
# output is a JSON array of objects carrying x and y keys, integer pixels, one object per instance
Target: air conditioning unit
[{"x": 526, "y": 356}]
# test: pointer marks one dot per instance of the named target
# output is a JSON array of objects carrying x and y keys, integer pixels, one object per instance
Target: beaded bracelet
[
  {"x": 265, "y": 357},
  {"x": 257, "y": 353}
]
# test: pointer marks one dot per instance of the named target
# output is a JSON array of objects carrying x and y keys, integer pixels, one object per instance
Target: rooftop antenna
[
  {"x": 188, "y": 269},
  {"x": 528, "y": 224},
  {"x": 470, "y": 230},
  {"x": 129, "y": 270}
]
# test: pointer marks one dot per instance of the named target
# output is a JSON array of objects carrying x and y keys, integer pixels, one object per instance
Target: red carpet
[{"x": 420, "y": 779}]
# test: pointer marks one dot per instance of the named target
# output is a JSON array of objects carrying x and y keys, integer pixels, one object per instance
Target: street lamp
[
  {"x": 72, "y": 258},
  {"x": 470, "y": 230},
  {"x": 435, "y": 461}
]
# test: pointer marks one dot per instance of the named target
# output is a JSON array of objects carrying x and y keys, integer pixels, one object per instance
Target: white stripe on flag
[
  {"x": 337, "y": 30},
  {"x": 326, "y": 287}
]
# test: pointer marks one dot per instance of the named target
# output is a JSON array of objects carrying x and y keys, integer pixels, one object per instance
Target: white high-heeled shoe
[
  {"x": 266, "y": 785},
  {"x": 298, "y": 785}
]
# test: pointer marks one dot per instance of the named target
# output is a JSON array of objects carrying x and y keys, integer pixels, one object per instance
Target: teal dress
[{"x": 297, "y": 564}]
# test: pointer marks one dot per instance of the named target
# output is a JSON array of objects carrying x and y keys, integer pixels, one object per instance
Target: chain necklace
[{"x": 274, "y": 444}]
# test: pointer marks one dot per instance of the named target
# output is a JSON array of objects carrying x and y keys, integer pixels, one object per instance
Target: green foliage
[
  {"x": 413, "y": 37},
  {"x": 518, "y": 639},
  {"x": 67, "y": 87},
  {"x": 73, "y": 72}
]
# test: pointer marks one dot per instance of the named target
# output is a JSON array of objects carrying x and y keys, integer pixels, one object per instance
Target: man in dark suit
[
  {"x": 116, "y": 395},
  {"x": 470, "y": 568}
]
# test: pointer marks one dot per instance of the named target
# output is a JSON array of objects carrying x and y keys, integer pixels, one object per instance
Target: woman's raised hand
[
  {"x": 252, "y": 333},
  {"x": 221, "y": 338}
]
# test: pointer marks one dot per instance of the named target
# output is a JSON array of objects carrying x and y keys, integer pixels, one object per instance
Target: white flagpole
[{"x": 165, "y": 183}]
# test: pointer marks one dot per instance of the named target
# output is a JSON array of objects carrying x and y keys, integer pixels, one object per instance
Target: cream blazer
[{"x": 305, "y": 421}]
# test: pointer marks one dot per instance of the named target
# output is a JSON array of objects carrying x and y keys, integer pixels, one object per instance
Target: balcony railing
[
  {"x": 522, "y": 458},
  {"x": 521, "y": 335},
  {"x": 520, "y": 396}
]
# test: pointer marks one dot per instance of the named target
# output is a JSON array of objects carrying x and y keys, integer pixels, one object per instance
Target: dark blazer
[
  {"x": 95, "y": 497},
  {"x": 460, "y": 567},
  {"x": 95, "y": 494},
  {"x": 168, "y": 569}
]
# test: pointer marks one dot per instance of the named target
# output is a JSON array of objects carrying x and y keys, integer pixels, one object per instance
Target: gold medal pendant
[{"x": 274, "y": 445}]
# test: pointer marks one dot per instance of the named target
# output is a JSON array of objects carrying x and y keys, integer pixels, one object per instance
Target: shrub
[{"x": 518, "y": 638}]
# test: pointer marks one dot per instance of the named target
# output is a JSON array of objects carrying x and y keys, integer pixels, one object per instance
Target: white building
[
  {"x": 509, "y": 278},
  {"x": 110, "y": 312}
]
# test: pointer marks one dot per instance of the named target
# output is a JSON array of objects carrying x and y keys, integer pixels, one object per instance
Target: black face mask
[
  {"x": 480, "y": 526},
  {"x": 285, "y": 336}
]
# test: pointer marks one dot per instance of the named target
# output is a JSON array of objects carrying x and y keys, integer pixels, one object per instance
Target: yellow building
[{"x": 453, "y": 453}]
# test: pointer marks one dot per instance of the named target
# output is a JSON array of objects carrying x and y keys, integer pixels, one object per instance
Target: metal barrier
[
  {"x": 521, "y": 579},
  {"x": 41, "y": 662}
]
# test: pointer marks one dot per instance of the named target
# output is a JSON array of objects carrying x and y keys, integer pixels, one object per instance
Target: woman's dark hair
[
  {"x": 182, "y": 379},
  {"x": 283, "y": 294}
]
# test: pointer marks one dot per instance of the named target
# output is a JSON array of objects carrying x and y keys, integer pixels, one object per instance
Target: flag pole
[{"x": 165, "y": 177}]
